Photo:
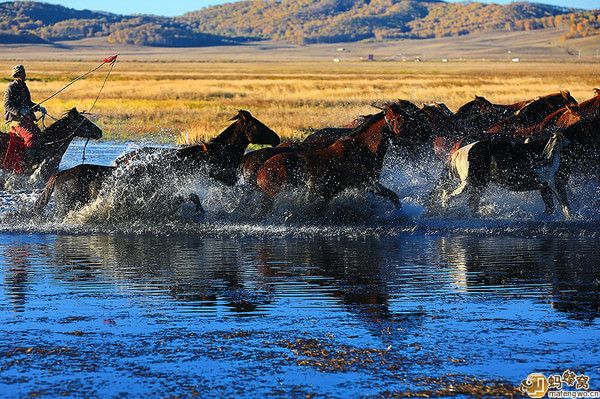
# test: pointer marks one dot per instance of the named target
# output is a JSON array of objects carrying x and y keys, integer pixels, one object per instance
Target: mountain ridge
[{"x": 295, "y": 21}]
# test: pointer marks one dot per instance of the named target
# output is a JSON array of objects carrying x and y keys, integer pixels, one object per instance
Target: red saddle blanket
[{"x": 20, "y": 139}]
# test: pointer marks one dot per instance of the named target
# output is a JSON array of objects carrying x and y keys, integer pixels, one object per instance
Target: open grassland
[{"x": 188, "y": 101}]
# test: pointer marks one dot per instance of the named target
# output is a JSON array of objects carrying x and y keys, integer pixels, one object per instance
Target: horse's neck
[
  {"x": 234, "y": 140},
  {"x": 374, "y": 137},
  {"x": 57, "y": 131}
]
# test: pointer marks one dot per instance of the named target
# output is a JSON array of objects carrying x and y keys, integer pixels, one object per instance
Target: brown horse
[
  {"x": 414, "y": 132},
  {"x": 54, "y": 142},
  {"x": 480, "y": 114},
  {"x": 220, "y": 158},
  {"x": 352, "y": 162},
  {"x": 532, "y": 113}
]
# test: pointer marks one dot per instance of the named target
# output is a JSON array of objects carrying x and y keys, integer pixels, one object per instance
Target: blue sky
[{"x": 178, "y": 7}]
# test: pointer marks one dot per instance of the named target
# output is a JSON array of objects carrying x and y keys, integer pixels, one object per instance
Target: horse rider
[{"x": 19, "y": 112}]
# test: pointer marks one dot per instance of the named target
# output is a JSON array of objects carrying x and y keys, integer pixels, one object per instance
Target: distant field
[{"x": 187, "y": 101}]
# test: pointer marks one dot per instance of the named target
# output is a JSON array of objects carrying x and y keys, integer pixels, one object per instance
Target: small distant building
[
  {"x": 336, "y": 60},
  {"x": 418, "y": 59},
  {"x": 370, "y": 57},
  {"x": 340, "y": 49},
  {"x": 516, "y": 59},
  {"x": 444, "y": 60}
]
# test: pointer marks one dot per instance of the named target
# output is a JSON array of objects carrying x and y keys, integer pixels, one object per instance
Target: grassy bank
[{"x": 171, "y": 101}]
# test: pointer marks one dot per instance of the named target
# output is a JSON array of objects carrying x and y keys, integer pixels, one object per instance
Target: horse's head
[
  {"x": 569, "y": 117},
  {"x": 567, "y": 97},
  {"x": 405, "y": 124},
  {"x": 256, "y": 131},
  {"x": 81, "y": 126},
  {"x": 477, "y": 106}
]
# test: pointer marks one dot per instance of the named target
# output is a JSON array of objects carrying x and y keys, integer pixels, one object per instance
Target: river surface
[{"x": 372, "y": 303}]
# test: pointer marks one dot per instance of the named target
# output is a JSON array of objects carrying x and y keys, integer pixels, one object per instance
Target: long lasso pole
[{"x": 109, "y": 60}]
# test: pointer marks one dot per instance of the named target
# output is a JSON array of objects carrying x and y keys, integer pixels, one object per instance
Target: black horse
[
  {"x": 54, "y": 142},
  {"x": 219, "y": 158}
]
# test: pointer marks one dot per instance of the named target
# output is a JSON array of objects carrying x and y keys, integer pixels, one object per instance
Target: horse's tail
[{"x": 44, "y": 197}]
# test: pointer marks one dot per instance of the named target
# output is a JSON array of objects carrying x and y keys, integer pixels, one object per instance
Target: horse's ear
[
  {"x": 244, "y": 115},
  {"x": 73, "y": 112},
  {"x": 565, "y": 93},
  {"x": 235, "y": 118}
]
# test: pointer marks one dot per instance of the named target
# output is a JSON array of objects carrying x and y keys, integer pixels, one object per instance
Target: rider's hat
[{"x": 17, "y": 70}]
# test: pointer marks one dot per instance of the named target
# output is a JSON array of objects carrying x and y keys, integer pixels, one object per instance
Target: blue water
[{"x": 231, "y": 306}]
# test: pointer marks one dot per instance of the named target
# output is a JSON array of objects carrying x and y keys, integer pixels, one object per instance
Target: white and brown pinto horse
[{"x": 517, "y": 166}]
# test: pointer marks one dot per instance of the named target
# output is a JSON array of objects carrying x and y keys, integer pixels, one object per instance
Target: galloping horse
[
  {"x": 351, "y": 162},
  {"x": 479, "y": 115},
  {"x": 516, "y": 166},
  {"x": 533, "y": 113},
  {"x": 220, "y": 158},
  {"x": 414, "y": 131},
  {"x": 54, "y": 142}
]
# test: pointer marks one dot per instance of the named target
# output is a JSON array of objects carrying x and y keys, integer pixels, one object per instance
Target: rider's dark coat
[{"x": 16, "y": 98}]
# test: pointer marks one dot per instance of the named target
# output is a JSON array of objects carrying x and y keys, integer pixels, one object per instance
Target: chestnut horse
[
  {"x": 480, "y": 114},
  {"x": 351, "y": 162},
  {"x": 478, "y": 117},
  {"x": 414, "y": 132},
  {"x": 54, "y": 142},
  {"x": 532, "y": 113}
]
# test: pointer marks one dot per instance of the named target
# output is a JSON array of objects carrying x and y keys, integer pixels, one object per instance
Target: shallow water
[{"x": 375, "y": 304}]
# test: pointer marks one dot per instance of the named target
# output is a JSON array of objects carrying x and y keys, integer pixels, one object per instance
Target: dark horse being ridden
[
  {"x": 220, "y": 158},
  {"x": 54, "y": 142},
  {"x": 351, "y": 162}
]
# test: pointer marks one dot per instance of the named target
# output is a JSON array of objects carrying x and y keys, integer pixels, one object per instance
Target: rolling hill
[{"x": 295, "y": 21}]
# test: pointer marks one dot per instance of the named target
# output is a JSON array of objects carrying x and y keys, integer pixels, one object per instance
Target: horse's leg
[
  {"x": 547, "y": 195},
  {"x": 442, "y": 186},
  {"x": 475, "y": 193},
  {"x": 561, "y": 193},
  {"x": 194, "y": 199},
  {"x": 446, "y": 197},
  {"x": 384, "y": 192}
]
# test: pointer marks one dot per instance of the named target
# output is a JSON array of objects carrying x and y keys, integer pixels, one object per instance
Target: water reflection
[
  {"x": 364, "y": 277},
  {"x": 567, "y": 271}
]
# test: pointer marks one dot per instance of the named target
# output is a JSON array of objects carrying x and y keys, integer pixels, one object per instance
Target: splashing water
[{"x": 151, "y": 203}]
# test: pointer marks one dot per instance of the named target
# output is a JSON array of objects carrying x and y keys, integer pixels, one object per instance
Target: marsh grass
[{"x": 187, "y": 102}]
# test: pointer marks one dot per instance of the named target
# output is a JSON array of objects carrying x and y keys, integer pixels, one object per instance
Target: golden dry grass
[{"x": 175, "y": 101}]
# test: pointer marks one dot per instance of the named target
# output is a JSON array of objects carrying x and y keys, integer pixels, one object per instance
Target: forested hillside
[
  {"x": 345, "y": 20},
  {"x": 297, "y": 21}
]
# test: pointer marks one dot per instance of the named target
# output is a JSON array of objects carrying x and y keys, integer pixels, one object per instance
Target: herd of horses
[{"x": 536, "y": 144}]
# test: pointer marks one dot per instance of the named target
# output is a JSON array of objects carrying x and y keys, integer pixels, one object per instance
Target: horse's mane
[
  {"x": 372, "y": 119},
  {"x": 225, "y": 135}
]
